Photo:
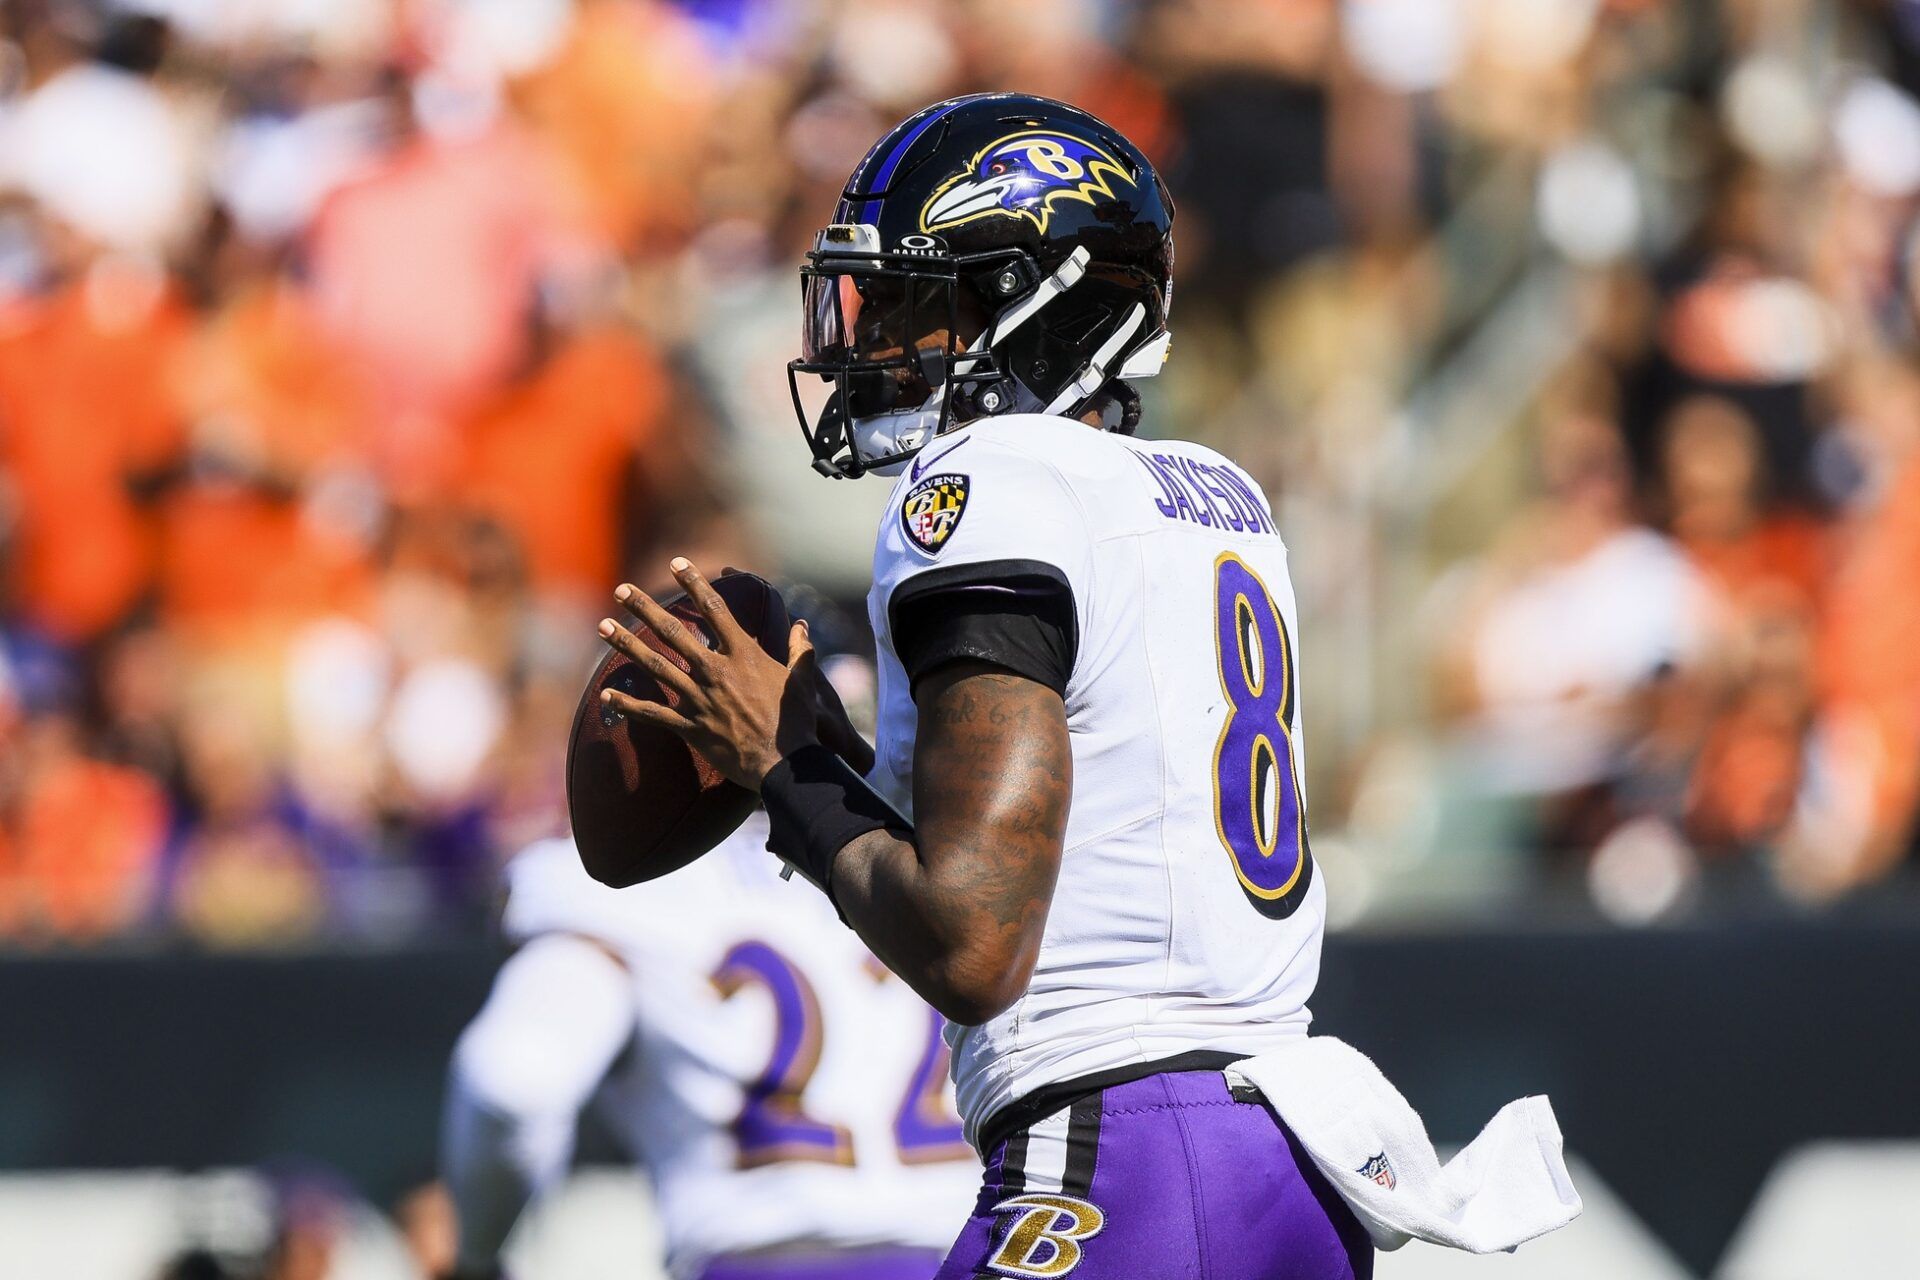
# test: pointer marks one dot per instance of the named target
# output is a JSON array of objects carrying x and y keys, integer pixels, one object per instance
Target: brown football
[{"x": 643, "y": 802}]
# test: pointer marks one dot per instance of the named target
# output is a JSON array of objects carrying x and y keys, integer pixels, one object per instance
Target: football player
[
  {"x": 1089, "y": 707},
  {"x": 786, "y": 1095}
]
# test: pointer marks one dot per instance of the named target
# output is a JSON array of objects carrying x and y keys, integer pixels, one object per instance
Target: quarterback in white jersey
[
  {"x": 1186, "y": 920},
  {"x": 1083, "y": 837},
  {"x": 786, "y": 1096}
]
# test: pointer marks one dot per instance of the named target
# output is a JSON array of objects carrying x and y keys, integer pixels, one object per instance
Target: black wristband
[{"x": 816, "y": 806}]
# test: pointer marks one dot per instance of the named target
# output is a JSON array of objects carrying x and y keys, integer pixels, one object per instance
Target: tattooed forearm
[
  {"x": 952, "y": 711},
  {"x": 959, "y": 911}
]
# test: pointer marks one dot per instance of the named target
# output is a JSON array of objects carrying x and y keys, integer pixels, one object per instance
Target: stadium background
[{"x": 351, "y": 349}]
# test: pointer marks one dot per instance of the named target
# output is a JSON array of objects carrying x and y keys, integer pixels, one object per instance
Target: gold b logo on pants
[{"x": 1044, "y": 1240}]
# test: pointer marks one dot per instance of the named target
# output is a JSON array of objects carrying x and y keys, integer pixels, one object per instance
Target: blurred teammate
[{"x": 786, "y": 1096}]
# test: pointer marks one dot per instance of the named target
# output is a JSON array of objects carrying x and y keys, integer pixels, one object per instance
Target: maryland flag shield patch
[{"x": 932, "y": 510}]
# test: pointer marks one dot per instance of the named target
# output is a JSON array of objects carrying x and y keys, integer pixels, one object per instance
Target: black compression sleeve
[
  {"x": 1017, "y": 614},
  {"x": 816, "y": 806}
]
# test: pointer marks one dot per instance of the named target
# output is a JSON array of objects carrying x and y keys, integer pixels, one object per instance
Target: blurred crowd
[
  {"x": 1687, "y": 665},
  {"x": 351, "y": 349}
]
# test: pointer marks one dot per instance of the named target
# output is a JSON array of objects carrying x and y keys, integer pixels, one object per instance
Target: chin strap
[
  {"x": 830, "y": 435},
  {"x": 1129, "y": 401},
  {"x": 1064, "y": 278}
]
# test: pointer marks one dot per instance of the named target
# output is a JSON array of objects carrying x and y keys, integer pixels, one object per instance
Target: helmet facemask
[
  {"x": 969, "y": 358},
  {"x": 900, "y": 339}
]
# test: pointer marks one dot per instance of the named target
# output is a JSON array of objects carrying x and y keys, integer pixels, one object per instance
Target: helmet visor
[{"x": 866, "y": 317}]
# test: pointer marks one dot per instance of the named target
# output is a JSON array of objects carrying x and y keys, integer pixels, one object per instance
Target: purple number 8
[{"x": 1257, "y": 807}]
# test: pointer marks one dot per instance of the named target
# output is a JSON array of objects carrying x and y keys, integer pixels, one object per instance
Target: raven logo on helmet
[{"x": 1024, "y": 175}]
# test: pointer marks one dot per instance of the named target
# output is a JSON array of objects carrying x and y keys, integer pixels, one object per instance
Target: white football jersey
[
  {"x": 1188, "y": 913},
  {"x": 783, "y": 1088}
]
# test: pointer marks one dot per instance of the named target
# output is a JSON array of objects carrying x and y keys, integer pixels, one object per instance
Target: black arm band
[
  {"x": 1016, "y": 614},
  {"x": 816, "y": 806}
]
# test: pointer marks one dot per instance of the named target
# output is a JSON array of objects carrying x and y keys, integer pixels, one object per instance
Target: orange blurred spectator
[
  {"x": 1769, "y": 569},
  {"x": 250, "y": 541},
  {"x": 1749, "y": 770},
  {"x": 625, "y": 105},
  {"x": 1870, "y": 682},
  {"x": 241, "y": 562},
  {"x": 1715, "y": 482},
  {"x": 265, "y": 381},
  {"x": 89, "y": 836},
  {"x": 425, "y": 268},
  {"x": 87, "y": 412},
  {"x": 552, "y": 456},
  {"x": 14, "y": 898}
]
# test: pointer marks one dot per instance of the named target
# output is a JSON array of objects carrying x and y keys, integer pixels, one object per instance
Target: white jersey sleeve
[
  {"x": 977, "y": 512},
  {"x": 981, "y": 509}
]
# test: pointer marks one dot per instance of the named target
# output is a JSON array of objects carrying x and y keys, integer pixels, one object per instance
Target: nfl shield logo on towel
[
  {"x": 1380, "y": 1169},
  {"x": 932, "y": 510}
]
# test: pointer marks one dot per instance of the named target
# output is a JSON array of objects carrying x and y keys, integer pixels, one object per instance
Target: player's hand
[
  {"x": 832, "y": 725},
  {"x": 734, "y": 704}
]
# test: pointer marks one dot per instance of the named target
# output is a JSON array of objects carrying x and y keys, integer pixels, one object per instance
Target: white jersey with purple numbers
[
  {"x": 783, "y": 1089},
  {"x": 1188, "y": 915}
]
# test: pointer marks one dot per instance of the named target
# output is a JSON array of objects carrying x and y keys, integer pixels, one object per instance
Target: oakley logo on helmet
[
  {"x": 1024, "y": 175},
  {"x": 921, "y": 246}
]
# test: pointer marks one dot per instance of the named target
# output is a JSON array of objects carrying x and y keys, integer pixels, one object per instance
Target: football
[{"x": 642, "y": 801}]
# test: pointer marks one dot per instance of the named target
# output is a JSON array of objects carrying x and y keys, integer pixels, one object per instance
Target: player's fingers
[
  {"x": 663, "y": 624},
  {"x": 666, "y": 673},
  {"x": 726, "y": 631},
  {"x": 650, "y": 712},
  {"x": 799, "y": 645}
]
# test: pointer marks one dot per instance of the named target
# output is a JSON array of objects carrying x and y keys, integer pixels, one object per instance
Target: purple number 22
[
  {"x": 1258, "y": 810},
  {"x": 773, "y": 1126},
  {"x": 925, "y": 1128}
]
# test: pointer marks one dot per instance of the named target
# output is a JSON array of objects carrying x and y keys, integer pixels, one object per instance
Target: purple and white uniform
[
  {"x": 787, "y": 1096},
  {"x": 1185, "y": 928}
]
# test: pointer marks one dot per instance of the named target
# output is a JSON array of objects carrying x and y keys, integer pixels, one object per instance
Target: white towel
[{"x": 1505, "y": 1187}]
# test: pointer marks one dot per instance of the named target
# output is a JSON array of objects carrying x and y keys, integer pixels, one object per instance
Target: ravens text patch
[{"x": 932, "y": 510}]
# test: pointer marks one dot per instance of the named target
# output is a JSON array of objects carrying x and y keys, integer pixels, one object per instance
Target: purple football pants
[{"x": 1165, "y": 1178}]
